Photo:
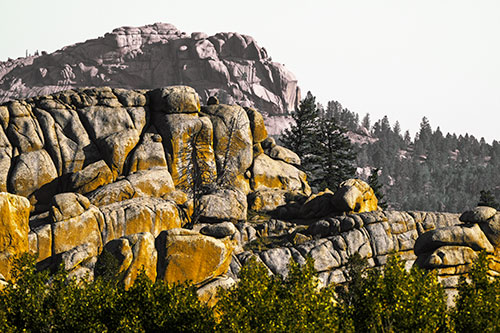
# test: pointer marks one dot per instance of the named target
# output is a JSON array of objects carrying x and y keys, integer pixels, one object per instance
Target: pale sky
[{"x": 400, "y": 58}]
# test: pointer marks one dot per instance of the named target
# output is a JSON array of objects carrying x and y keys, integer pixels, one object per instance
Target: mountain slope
[{"x": 229, "y": 65}]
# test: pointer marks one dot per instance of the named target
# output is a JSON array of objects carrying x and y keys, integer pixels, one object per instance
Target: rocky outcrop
[
  {"x": 111, "y": 180},
  {"x": 104, "y": 173},
  {"x": 14, "y": 212},
  {"x": 230, "y": 65}
]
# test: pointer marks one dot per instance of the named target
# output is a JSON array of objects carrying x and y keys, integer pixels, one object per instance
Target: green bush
[
  {"x": 477, "y": 306},
  {"x": 392, "y": 300},
  {"x": 42, "y": 303},
  {"x": 264, "y": 303}
]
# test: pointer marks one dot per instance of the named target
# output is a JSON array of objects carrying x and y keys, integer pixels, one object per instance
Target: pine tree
[
  {"x": 326, "y": 153},
  {"x": 487, "y": 198},
  {"x": 300, "y": 136},
  {"x": 334, "y": 156},
  {"x": 377, "y": 188},
  {"x": 366, "y": 123}
]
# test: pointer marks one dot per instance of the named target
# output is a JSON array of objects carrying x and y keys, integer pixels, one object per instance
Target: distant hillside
[
  {"x": 230, "y": 65},
  {"x": 433, "y": 171}
]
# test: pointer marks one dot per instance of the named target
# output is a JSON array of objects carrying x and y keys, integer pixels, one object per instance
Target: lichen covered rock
[{"x": 14, "y": 228}]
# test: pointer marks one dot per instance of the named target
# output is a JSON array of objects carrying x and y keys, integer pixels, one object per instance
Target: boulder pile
[{"x": 106, "y": 179}]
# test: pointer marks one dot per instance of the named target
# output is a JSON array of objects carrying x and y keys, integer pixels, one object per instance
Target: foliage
[
  {"x": 335, "y": 156},
  {"x": 42, "y": 303},
  {"x": 377, "y": 187},
  {"x": 326, "y": 153},
  {"x": 392, "y": 300},
  {"x": 486, "y": 198},
  {"x": 300, "y": 137},
  {"x": 432, "y": 171},
  {"x": 264, "y": 303},
  {"x": 477, "y": 306}
]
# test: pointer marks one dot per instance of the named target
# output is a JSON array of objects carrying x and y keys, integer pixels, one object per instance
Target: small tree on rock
[
  {"x": 486, "y": 198},
  {"x": 377, "y": 188}
]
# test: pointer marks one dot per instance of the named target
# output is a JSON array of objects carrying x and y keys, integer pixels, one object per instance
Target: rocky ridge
[
  {"x": 109, "y": 178},
  {"x": 230, "y": 65}
]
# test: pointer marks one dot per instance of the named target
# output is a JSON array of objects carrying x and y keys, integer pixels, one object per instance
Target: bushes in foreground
[
  {"x": 392, "y": 300},
  {"x": 42, "y": 303}
]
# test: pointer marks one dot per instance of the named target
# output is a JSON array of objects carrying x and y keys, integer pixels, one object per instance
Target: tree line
[{"x": 432, "y": 171}]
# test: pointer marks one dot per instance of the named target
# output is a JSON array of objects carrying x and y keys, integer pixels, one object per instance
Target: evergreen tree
[
  {"x": 326, "y": 152},
  {"x": 335, "y": 156},
  {"x": 377, "y": 187},
  {"x": 300, "y": 136},
  {"x": 487, "y": 198},
  {"x": 366, "y": 122}
]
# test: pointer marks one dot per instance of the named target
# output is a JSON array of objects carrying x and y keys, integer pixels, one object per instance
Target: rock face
[
  {"x": 232, "y": 66},
  {"x": 111, "y": 179},
  {"x": 104, "y": 173},
  {"x": 14, "y": 213}
]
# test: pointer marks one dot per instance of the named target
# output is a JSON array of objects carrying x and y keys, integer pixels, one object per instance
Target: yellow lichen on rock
[
  {"x": 14, "y": 228},
  {"x": 190, "y": 256},
  {"x": 355, "y": 196}
]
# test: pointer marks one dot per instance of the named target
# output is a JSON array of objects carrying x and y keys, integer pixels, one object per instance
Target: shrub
[
  {"x": 42, "y": 303},
  {"x": 393, "y": 300},
  {"x": 264, "y": 303},
  {"x": 477, "y": 306}
]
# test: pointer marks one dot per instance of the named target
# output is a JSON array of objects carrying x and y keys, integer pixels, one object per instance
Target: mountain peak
[{"x": 229, "y": 65}]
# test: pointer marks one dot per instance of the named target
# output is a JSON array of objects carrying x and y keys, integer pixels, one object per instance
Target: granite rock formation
[
  {"x": 115, "y": 171},
  {"x": 131, "y": 179},
  {"x": 230, "y": 65}
]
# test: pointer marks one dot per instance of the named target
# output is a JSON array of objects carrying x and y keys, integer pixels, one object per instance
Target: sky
[{"x": 404, "y": 59}]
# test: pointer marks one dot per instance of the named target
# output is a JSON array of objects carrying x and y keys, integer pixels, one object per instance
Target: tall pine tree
[
  {"x": 335, "y": 155},
  {"x": 301, "y": 136},
  {"x": 326, "y": 153}
]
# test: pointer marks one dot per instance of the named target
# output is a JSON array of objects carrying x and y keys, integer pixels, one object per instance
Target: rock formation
[
  {"x": 120, "y": 172},
  {"x": 232, "y": 66},
  {"x": 109, "y": 178}
]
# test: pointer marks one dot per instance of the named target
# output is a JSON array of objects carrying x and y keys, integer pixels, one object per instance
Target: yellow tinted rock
[
  {"x": 43, "y": 242},
  {"x": 267, "y": 200},
  {"x": 139, "y": 215},
  {"x": 91, "y": 177},
  {"x": 208, "y": 292},
  {"x": 355, "y": 196},
  {"x": 14, "y": 228},
  {"x": 144, "y": 257},
  {"x": 233, "y": 144},
  {"x": 77, "y": 231},
  {"x": 272, "y": 174},
  {"x": 156, "y": 182},
  {"x": 187, "y": 139},
  {"x": 148, "y": 153},
  {"x": 189, "y": 256},
  {"x": 175, "y": 99},
  {"x": 259, "y": 131}
]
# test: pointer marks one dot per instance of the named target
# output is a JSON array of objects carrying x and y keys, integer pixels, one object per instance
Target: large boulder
[
  {"x": 259, "y": 131},
  {"x": 14, "y": 228},
  {"x": 479, "y": 214},
  {"x": 187, "y": 140},
  {"x": 355, "y": 196},
  {"x": 460, "y": 235},
  {"x": 131, "y": 255},
  {"x": 175, "y": 99},
  {"x": 272, "y": 174},
  {"x": 223, "y": 205},
  {"x": 186, "y": 255}
]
